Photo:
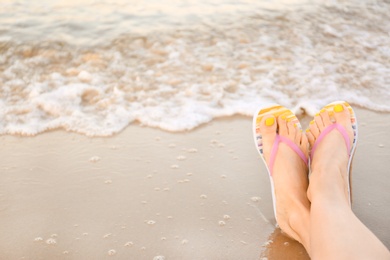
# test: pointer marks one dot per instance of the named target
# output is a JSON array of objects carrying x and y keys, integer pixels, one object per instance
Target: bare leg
[
  {"x": 290, "y": 178},
  {"x": 335, "y": 231}
]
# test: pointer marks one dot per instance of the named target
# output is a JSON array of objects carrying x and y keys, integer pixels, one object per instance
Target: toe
[
  {"x": 325, "y": 117},
  {"x": 268, "y": 125},
  {"x": 342, "y": 114},
  {"x": 292, "y": 129},
  {"x": 282, "y": 123},
  {"x": 298, "y": 134},
  {"x": 314, "y": 128},
  {"x": 304, "y": 143},
  {"x": 319, "y": 122},
  {"x": 310, "y": 137}
]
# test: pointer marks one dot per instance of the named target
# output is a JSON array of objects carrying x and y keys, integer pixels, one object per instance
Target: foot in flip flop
[
  {"x": 332, "y": 135},
  {"x": 284, "y": 149}
]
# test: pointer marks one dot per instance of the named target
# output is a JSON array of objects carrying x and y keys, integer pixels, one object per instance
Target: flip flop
[
  {"x": 276, "y": 111},
  {"x": 350, "y": 147}
]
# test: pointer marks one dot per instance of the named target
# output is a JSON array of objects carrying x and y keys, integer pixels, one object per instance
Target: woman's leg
[
  {"x": 335, "y": 231},
  {"x": 289, "y": 177}
]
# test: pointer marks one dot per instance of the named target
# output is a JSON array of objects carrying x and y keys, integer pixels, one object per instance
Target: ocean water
[{"x": 94, "y": 67}]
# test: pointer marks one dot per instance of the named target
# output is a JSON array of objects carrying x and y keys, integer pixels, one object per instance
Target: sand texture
[{"x": 149, "y": 194}]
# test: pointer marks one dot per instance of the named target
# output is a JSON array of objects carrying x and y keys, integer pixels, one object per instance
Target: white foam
[{"x": 302, "y": 58}]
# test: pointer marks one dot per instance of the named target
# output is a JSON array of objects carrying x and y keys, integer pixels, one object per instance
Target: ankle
[
  {"x": 328, "y": 185},
  {"x": 321, "y": 171}
]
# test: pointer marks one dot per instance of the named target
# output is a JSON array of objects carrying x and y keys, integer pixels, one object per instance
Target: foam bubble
[
  {"x": 84, "y": 76},
  {"x": 107, "y": 235},
  {"x": 111, "y": 252},
  {"x": 94, "y": 159},
  {"x": 151, "y": 222},
  {"x": 159, "y": 257},
  {"x": 255, "y": 199},
  {"x": 129, "y": 244},
  {"x": 51, "y": 241},
  {"x": 38, "y": 239},
  {"x": 221, "y": 223}
]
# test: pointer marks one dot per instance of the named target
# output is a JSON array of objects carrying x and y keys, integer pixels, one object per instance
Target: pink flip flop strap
[
  {"x": 291, "y": 144},
  {"x": 326, "y": 131}
]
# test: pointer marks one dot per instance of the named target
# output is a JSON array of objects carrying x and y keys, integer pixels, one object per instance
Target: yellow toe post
[
  {"x": 269, "y": 121},
  {"x": 338, "y": 108}
]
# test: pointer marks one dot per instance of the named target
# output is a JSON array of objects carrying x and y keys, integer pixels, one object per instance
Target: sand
[{"x": 146, "y": 193}]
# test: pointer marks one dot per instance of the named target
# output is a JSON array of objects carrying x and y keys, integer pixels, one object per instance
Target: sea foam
[{"x": 177, "y": 79}]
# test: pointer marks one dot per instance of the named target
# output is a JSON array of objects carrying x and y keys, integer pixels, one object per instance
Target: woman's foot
[
  {"x": 335, "y": 231},
  {"x": 289, "y": 174},
  {"x": 329, "y": 162}
]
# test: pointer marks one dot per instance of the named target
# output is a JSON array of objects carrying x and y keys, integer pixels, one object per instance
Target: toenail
[
  {"x": 311, "y": 122},
  {"x": 295, "y": 125},
  {"x": 283, "y": 117},
  {"x": 307, "y": 130},
  {"x": 322, "y": 110},
  {"x": 338, "y": 108},
  {"x": 269, "y": 121},
  {"x": 317, "y": 114}
]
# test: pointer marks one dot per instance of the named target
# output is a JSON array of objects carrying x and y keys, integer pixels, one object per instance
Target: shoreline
[{"x": 145, "y": 192}]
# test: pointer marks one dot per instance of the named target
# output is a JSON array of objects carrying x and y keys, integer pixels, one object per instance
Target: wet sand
[{"x": 144, "y": 193}]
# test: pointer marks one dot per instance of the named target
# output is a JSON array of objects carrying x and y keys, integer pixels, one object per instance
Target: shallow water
[
  {"x": 90, "y": 22},
  {"x": 94, "y": 67}
]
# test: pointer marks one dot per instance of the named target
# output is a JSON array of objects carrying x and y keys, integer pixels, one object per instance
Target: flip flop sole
[
  {"x": 329, "y": 108},
  {"x": 275, "y": 110}
]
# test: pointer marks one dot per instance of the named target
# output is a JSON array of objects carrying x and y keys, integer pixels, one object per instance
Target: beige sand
[{"x": 145, "y": 193}]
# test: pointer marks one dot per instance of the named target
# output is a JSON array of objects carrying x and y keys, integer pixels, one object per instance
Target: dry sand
[{"x": 144, "y": 193}]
